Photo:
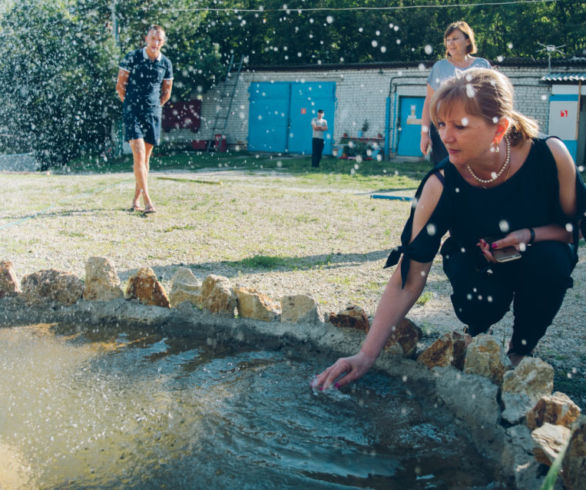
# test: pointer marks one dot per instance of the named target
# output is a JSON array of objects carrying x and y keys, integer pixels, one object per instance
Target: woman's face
[
  {"x": 467, "y": 138},
  {"x": 457, "y": 43}
]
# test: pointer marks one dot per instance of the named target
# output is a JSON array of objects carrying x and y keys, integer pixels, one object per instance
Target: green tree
[
  {"x": 55, "y": 82},
  {"x": 408, "y": 31},
  {"x": 59, "y": 68}
]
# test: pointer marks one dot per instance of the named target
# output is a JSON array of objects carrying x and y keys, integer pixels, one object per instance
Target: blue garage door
[
  {"x": 268, "y": 116},
  {"x": 306, "y": 99},
  {"x": 281, "y": 113},
  {"x": 410, "y": 109}
]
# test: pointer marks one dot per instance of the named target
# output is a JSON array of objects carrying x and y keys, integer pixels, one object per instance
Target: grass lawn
[{"x": 331, "y": 169}]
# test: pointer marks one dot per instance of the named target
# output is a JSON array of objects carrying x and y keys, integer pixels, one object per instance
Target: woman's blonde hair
[
  {"x": 465, "y": 29},
  {"x": 485, "y": 93}
]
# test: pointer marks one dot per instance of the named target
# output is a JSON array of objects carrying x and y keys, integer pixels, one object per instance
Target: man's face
[
  {"x": 320, "y": 115},
  {"x": 155, "y": 40}
]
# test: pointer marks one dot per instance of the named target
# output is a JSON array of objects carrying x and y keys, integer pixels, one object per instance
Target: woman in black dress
[{"x": 514, "y": 207}]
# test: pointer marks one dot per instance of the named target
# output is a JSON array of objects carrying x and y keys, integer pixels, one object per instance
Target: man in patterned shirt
[{"x": 145, "y": 80}]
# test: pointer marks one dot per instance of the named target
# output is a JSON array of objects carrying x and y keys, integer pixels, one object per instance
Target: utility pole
[
  {"x": 115, "y": 24},
  {"x": 119, "y": 139}
]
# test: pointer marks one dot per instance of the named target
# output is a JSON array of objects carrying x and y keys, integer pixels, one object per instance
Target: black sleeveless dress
[{"x": 530, "y": 198}]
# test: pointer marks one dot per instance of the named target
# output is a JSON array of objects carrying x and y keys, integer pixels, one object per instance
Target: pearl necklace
[{"x": 496, "y": 176}]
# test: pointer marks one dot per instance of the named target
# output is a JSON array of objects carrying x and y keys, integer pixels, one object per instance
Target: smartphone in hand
[{"x": 505, "y": 254}]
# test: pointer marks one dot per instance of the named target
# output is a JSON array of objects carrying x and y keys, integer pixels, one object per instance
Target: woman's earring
[{"x": 494, "y": 147}]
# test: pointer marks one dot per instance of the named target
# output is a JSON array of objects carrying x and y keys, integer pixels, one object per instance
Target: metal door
[
  {"x": 563, "y": 120},
  {"x": 306, "y": 99},
  {"x": 268, "y": 116},
  {"x": 281, "y": 112},
  {"x": 410, "y": 111}
]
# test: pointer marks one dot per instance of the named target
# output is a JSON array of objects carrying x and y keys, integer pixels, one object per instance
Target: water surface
[{"x": 138, "y": 410}]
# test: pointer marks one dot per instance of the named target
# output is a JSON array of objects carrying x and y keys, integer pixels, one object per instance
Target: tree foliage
[
  {"x": 392, "y": 31},
  {"x": 59, "y": 65},
  {"x": 55, "y": 82}
]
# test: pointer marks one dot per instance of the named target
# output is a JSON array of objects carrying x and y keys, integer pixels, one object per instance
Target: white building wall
[
  {"x": 362, "y": 94},
  {"x": 531, "y": 95}
]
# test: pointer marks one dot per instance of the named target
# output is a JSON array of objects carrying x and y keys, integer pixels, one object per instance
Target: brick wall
[{"x": 362, "y": 94}]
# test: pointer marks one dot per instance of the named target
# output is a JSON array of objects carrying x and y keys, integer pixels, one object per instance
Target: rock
[
  {"x": 8, "y": 280},
  {"x": 185, "y": 287},
  {"x": 574, "y": 463},
  {"x": 52, "y": 285},
  {"x": 471, "y": 398},
  {"x": 460, "y": 348},
  {"x": 101, "y": 280},
  {"x": 524, "y": 386},
  {"x": 217, "y": 295},
  {"x": 299, "y": 308},
  {"x": 484, "y": 357},
  {"x": 549, "y": 440},
  {"x": 351, "y": 317},
  {"x": 252, "y": 304},
  {"x": 145, "y": 287},
  {"x": 557, "y": 409},
  {"x": 448, "y": 350},
  {"x": 526, "y": 470},
  {"x": 520, "y": 435},
  {"x": 406, "y": 334}
]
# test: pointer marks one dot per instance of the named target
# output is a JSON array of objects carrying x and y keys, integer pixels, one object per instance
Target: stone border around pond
[{"x": 512, "y": 416}]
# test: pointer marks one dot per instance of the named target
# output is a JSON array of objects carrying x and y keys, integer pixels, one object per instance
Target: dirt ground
[{"x": 279, "y": 233}]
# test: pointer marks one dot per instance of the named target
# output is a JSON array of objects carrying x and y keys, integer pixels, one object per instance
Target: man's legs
[
  {"x": 141, "y": 153},
  {"x": 317, "y": 146}
]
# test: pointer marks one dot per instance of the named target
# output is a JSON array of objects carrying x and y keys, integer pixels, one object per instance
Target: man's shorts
[{"x": 146, "y": 126}]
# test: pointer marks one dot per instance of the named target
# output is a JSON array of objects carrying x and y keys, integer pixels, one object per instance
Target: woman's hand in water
[{"x": 351, "y": 368}]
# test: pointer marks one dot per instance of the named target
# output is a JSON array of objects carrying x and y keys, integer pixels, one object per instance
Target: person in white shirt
[
  {"x": 319, "y": 126},
  {"x": 460, "y": 45}
]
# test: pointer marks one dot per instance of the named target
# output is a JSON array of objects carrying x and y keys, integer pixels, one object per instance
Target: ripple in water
[{"x": 141, "y": 411}]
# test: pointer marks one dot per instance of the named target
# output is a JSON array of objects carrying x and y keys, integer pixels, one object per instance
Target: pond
[{"x": 121, "y": 408}]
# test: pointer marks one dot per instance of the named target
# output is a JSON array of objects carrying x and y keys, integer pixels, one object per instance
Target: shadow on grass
[
  {"x": 47, "y": 213},
  {"x": 267, "y": 263}
]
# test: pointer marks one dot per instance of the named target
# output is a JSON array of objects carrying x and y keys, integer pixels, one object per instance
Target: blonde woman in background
[{"x": 460, "y": 46}]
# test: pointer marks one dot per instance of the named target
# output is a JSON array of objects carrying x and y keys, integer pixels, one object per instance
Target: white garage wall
[{"x": 361, "y": 94}]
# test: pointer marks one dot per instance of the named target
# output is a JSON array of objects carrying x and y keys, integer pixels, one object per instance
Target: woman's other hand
[
  {"x": 351, "y": 368},
  {"x": 485, "y": 248}
]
